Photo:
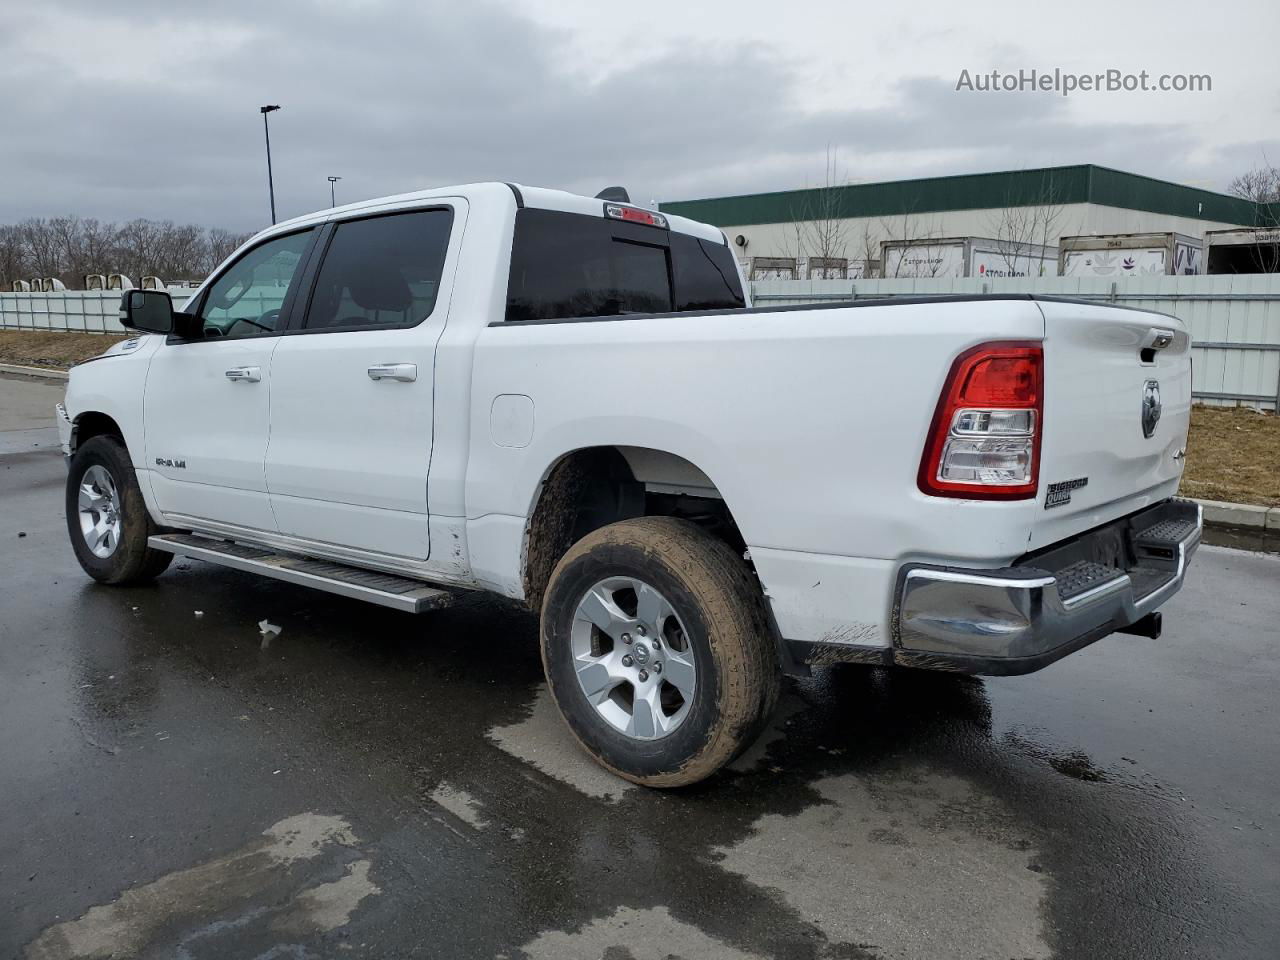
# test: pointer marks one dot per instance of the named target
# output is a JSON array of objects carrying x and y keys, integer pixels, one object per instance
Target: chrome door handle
[
  {"x": 404, "y": 372},
  {"x": 251, "y": 374}
]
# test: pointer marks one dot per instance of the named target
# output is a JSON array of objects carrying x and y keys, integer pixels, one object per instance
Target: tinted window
[
  {"x": 246, "y": 300},
  {"x": 569, "y": 265},
  {"x": 706, "y": 277},
  {"x": 383, "y": 271}
]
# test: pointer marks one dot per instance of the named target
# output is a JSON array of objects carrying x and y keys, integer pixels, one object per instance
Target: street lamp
[
  {"x": 267, "y": 133},
  {"x": 332, "y": 181}
]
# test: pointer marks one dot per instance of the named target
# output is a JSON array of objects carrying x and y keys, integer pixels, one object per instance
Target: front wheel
[
  {"x": 658, "y": 651},
  {"x": 107, "y": 518}
]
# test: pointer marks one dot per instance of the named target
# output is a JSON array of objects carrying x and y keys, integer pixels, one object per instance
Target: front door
[
  {"x": 352, "y": 385},
  {"x": 207, "y": 403}
]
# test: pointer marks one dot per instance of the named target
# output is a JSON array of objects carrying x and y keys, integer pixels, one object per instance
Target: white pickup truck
[{"x": 569, "y": 401}]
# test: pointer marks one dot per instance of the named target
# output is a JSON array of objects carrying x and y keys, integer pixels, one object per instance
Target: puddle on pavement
[
  {"x": 204, "y": 894},
  {"x": 912, "y": 863},
  {"x": 543, "y": 739},
  {"x": 630, "y": 934}
]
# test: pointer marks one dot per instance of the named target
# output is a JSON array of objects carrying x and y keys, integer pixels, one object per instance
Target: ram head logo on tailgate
[{"x": 1150, "y": 407}]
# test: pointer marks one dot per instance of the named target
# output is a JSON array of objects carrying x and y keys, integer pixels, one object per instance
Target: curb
[
  {"x": 1220, "y": 514},
  {"x": 43, "y": 372}
]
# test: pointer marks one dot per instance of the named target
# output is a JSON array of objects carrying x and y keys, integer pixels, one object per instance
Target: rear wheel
[
  {"x": 658, "y": 651},
  {"x": 107, "y": 519}
]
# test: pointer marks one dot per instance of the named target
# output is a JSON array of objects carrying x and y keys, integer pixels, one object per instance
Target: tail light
[{"x": 984, "y": 443}]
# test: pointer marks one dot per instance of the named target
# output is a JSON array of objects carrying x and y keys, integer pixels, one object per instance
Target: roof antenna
[{"x": 616, "y": 194}]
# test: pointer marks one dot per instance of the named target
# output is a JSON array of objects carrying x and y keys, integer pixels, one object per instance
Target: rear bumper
[{"x": 1023, "y": 617}]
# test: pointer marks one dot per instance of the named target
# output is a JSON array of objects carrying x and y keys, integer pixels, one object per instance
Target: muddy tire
[
  {"x": 658, "y": 651},
  {"x": 107, "y": 519}
]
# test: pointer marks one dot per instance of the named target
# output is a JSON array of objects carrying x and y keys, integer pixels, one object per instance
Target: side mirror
[{"x": 150, "y": 311}]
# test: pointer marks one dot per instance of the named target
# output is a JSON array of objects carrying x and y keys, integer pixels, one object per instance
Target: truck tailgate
[{"x": 1116, "y": 412}]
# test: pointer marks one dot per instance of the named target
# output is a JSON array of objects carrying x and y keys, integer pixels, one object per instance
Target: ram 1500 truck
[{"x": 569, "y": 401}]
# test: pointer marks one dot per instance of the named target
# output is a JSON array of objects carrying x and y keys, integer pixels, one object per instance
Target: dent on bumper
[{"x": 1023, "y": 617}]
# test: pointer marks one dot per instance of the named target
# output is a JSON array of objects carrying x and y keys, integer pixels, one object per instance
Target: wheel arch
[
  {"x": 590, "y": 487},
  {"x": 94, "y": 423}
]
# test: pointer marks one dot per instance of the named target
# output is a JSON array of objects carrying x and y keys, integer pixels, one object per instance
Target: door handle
[
  {"x": 250, "y": 374},
  {"x": 404, "y": 372}
]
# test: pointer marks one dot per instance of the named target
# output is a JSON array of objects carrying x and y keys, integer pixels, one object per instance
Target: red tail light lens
[
  {"x": 984, "y": 443},
  {"x": 1000, "y": 381}
]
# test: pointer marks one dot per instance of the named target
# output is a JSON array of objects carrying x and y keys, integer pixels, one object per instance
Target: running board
[{"x": 385, "y": 589}]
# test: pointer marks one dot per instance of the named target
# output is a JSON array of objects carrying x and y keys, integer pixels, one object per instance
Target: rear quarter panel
[{"x": 810, "y": 423}]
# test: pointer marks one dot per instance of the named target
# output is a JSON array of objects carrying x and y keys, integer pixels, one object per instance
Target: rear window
[{"x": 566, "y": 265}]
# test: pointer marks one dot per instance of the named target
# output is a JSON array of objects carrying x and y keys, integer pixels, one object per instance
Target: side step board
[{"x": 385, "y": 589}]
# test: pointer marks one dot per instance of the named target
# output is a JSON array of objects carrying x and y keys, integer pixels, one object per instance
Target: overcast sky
[{"x": 150, "y": 107}]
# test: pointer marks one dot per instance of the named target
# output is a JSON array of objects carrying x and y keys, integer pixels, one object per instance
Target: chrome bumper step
[
  {"x": 1045, "y": 605},
  {"x": 385, "y": 589}
]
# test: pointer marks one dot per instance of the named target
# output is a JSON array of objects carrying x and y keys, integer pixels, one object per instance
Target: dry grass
[
  {"x": 1233, "y": 454},
  {"x": 56, "y": 350}
]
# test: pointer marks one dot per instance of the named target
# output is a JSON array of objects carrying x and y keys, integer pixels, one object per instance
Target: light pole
[
  {"x": 332, "y": 181},
  {"x": 271, "y": 187}
]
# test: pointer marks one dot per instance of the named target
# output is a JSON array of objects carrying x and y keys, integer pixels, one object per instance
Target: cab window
[
  {"x": 246, "y": 300},
  {"x": 381, "y": 272}
]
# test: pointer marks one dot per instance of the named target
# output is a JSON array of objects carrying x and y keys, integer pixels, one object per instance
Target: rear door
[
  {"x": 1116, "y": 412},
  {"x": 352, "y": 399}
]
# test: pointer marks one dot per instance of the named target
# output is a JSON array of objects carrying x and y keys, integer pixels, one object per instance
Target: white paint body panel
[
  {"x": 809, "y": 423},
  {"x": 206, "y": 435},
  {"x": 1094, "y": 383},
  {"x": 348, "y": 459}
]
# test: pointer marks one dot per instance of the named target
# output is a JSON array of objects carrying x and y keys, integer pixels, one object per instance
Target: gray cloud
[{"x": 397, "y": 95}]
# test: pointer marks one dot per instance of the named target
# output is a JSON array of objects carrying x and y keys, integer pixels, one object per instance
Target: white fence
[
  {"x": 1234, "y": 320},
  {"x": 74, "y": 311}
]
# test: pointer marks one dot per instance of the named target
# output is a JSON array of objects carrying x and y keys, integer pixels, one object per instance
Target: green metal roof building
[
  {"x": 1081, "y": 184},
  {"x": 1083, "y": 200}
]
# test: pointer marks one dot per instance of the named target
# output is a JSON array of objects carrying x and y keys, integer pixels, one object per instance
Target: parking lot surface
[{"x": 367, "y": 783}]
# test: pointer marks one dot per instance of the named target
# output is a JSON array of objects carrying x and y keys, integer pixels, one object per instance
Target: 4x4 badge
[{"x": 1150, "y": 407}]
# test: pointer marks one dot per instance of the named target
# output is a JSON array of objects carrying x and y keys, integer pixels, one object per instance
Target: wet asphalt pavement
[{"x": 369, "y": 783}]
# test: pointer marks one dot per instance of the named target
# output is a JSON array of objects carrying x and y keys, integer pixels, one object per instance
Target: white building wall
[{"x": 864, "y": 234}]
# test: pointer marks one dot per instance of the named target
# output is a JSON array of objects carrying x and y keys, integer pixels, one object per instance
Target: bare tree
[
  {"x": 40, "y": 239},
  {"x": 1030, "y": 220},
  {"x": 825, "y": 226},
  {"x": 793, "y": 242},
  {"x": 222, "y": 243},
  {"x": 909, "y": 231},
  {"x": 13, "y": 256},
  {"x": 1261, "y": 187},
  {"x": 868, "y": 251},
  {"x": 70, "y": 247},
  {"x": 818, "y": 231}
]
